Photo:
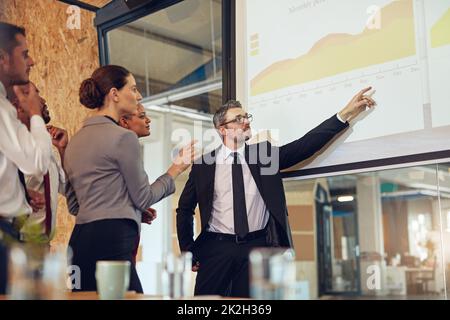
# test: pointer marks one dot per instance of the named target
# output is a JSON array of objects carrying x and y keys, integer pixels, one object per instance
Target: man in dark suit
[{"x": 239, "y": 190}]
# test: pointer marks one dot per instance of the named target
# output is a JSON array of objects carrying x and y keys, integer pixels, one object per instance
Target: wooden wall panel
[
  {"x": 97, "y": 3},
  {"x": 304, "y": 246},
  {"x": 63, "y": 59},
  {"x": 301, "y": 217}
]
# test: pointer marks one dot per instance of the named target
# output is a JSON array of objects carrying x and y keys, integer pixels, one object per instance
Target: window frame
[{"x": 116, "y": 14}]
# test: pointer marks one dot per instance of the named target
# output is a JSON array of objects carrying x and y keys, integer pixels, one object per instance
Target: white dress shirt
[
  {"x": 222, "y": 216},
  {"x": 21, "y": 149},
  {"x": 36, "y": 221},
  {"x": 339, "y": 118}
]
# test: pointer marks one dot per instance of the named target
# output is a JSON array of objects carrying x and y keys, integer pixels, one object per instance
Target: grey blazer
[{"x": 106, "y": 174}]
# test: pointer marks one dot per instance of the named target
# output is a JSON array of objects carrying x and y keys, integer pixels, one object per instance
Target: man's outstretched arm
[{"x": 303, "y": 148}]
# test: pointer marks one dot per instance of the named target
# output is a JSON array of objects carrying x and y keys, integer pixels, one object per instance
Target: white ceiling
[{"x": 188, "y": 21}]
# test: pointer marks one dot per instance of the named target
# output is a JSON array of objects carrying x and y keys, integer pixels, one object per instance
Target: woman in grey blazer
[{"x": 110, "y": 186}]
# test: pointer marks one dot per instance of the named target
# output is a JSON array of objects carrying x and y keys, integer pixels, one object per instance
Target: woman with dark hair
[
  {"x": 139, "y": 123},
  {"x": 110, "y": 188}
]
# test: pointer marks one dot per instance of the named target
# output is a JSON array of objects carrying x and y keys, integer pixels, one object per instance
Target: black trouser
[
  {"x": 112, "y": 239},
  {"x": 3, "y": 267},
  {"x": 8, "y": 234},
  {"x": 224, "y": 266}
]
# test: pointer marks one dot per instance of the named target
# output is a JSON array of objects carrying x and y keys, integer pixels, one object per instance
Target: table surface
[
  {"x": 130, "y": 295},
  {"x": 419, "y": 269}
]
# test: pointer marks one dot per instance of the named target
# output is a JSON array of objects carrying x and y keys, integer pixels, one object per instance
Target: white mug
[{"x": 113, "y": 279}]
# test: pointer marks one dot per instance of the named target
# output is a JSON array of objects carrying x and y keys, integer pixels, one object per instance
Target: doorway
[{"x": 337, "y": 245}]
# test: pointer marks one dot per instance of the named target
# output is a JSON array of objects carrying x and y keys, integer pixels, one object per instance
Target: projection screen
[{"x": 300, "y": 61}]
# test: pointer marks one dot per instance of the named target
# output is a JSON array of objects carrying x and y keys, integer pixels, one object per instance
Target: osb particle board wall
[
  {"x": 97, "y": 3},
  {"x": 63, "y": 58}
]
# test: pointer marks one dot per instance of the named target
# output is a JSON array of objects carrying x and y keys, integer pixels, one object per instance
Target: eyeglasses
[{"x": 240, "y": 119}]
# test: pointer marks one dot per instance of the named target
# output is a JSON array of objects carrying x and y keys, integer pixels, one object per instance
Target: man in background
[
  {"x": 22, "y": 151},
  {"x": 39, "y": 227}
]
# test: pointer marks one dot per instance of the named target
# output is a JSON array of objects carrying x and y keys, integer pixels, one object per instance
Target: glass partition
[
  {"x": 382, "y": 234},
  {"x": 175, "y": 54}
]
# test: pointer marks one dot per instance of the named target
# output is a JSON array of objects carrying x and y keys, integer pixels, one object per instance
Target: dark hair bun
[{"x": 90, "y": 95}]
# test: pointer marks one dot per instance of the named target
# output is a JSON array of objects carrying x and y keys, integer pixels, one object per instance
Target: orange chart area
[{"x": 339, "y": 53}]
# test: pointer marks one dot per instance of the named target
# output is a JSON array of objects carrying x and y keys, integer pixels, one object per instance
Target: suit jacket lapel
[
  {"x": 209, "y": 176},
  {"x": 253, "y": 165}
]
